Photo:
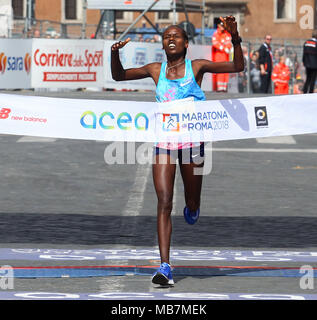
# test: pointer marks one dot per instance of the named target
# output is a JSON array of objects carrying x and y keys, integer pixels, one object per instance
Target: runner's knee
[{"x": 165, "y": 202}]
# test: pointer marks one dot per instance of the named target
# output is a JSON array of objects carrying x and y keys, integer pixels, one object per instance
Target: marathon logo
[
  {"x": 171, "y": 122},
  {"x": 261, "y": 116}
]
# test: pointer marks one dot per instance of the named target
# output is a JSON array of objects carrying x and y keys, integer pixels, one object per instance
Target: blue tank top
[{"x": 168, "y": 90}]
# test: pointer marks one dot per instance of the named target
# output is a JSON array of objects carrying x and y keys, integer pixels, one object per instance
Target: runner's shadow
[{"x": 220, "y": 232}]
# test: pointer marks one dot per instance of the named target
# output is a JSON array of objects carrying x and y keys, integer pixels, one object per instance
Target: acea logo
[
  {"x": 108, "y": 121},
  {"x": 10, "y": 63}
]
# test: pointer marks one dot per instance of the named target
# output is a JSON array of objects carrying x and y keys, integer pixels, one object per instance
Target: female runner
[{"x": 178, "y": 78}]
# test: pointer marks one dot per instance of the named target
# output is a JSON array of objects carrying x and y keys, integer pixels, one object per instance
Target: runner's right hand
[{"x": 118, "y": 45}]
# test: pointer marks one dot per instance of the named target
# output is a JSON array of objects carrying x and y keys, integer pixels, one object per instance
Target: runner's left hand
[{"x": 230, "y": 24}]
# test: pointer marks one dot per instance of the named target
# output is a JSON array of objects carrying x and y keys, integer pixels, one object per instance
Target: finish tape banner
[{"x": 178, "y": 121}]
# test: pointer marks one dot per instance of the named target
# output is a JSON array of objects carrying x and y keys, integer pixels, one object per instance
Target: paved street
[{"x": 258, "y": 215}]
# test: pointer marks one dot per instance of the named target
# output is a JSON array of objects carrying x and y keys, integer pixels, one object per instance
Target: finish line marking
[
  {"x": 105, "y": 271},
  {"x": 9, "y": 295},
  {"x": 153, "y": 254}
]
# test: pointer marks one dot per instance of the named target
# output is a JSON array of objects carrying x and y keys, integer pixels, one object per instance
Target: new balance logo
[{"x": 4, "y": 113}]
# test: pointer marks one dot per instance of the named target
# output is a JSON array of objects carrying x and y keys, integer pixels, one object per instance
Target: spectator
[
  {"x": 298, "y": 86},
  {"x": 140, "y": 38},
  {"x": 221, "y": 46},
  {"x": 276, "y": 56},
  {"x": 157, "y": 38},
  {"x": 36, "y": 33},
  {"x": 242, "y": 76},
  {"x": 295, "y": 63},
  {"x": 310, "y": 62},
  {"x": 281, "y": 77},
  {"x": 255, "y": 73},
  {"x": 266, "y": 64}
]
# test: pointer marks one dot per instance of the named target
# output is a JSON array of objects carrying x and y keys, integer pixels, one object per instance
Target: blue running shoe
[
  {"x": 191, "y": 217},
  {"x": 163, "y": 275}
]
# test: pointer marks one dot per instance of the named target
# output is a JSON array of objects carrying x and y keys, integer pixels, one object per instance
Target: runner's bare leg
[{"x": 164, "y": 177}]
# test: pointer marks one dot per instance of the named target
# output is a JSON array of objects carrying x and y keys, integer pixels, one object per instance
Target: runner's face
[{"x": 174, "y": 42}]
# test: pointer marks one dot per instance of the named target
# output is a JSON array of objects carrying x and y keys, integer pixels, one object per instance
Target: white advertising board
[
  {"x": 129, "y": 4},
  {"x": 67, "y": 63},
  {"x": 15, "y": 63},
  {"x": 137, "y": 54}
]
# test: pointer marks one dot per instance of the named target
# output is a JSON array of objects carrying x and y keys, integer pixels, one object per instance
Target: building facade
[{"x": 291, "y": 19}]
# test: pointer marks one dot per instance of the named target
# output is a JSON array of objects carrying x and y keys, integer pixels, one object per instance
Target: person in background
[
  {"x": 221, "y": 46},
  {"x": 36, "y": 33},
  {"x": 266, "y": 64},
  {"x": 255, "y": 73},
  {"x": 298, "y": 86},
  {"x": 281, "y": 77},
  {"x": 276, "y": 56},
  {"x": 310, "y": 62},
  {"x": 242, "y": 76}
]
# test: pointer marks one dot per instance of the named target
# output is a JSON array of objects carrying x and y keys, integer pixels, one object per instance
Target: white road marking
[
  {"x": 36, "y": 139},
  {"x": 136, "y": 196},
  {"x": 262, "y": 150},
  {"x": 277, "y": 140}
]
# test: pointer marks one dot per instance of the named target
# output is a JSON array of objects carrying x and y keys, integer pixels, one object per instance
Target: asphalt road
[{"x": 61, "y": 194}]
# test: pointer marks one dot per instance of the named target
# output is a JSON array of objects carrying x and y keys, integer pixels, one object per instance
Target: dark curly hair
[{"x": 184, "y": 33}]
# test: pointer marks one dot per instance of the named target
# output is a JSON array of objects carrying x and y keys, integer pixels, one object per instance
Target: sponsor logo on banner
[
  {"x": 3, "y": 62},
  {"x": 4, "y": 113},
  {"x": 67, "y": 61},
  {"x": 171, "y": 122},
  {"x": 108, "y": 121},
  {"x": 27, "y": 63},
  {"x": 140, "y": 56},
  {"x": 159, "y": 55},
  {"x": 18, "y": 63},
  {"x": 196, "y": 121},
  {"x": 261, "y": 117}
]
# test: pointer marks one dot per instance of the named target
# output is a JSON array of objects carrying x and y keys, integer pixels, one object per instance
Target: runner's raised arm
[
  {"x": 237, "y": 65},
  {"x": 121, "y": 74}
]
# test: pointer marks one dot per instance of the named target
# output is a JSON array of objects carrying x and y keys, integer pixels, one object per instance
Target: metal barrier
[
  {"x": 293, "y": 54},
  {"x": 21, "y": 27},
  {"x": 292, "y": 49}
]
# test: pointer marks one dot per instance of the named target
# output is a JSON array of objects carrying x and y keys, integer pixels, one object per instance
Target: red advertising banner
[{"x": 67, "y": 63}]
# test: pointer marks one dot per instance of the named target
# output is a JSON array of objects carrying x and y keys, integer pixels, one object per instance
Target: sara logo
[
  {"x": 8, "y": 63},
  {"x": 108, "y": 121},
  {"x": 3, "y": 62},
  {"x": 27, "y": 63}
]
